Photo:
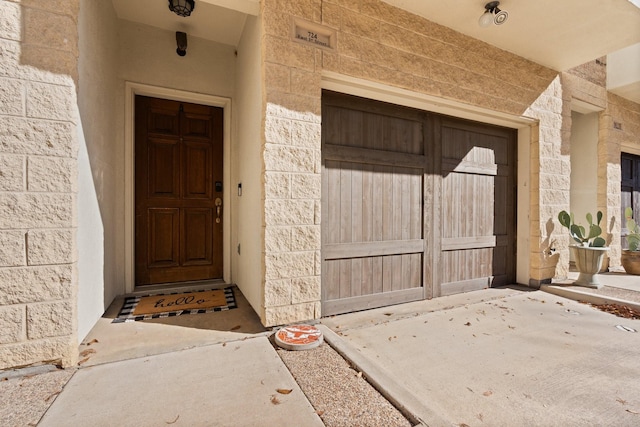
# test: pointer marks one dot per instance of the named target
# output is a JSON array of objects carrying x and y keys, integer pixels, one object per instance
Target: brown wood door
[
  {"x": 178, "y": 191},
  {"x": 414, "y": 204},
  {"x": 629, "y": 190},
  {"x": 477, "y": 213},
  {"x": 374, "y": 168}
]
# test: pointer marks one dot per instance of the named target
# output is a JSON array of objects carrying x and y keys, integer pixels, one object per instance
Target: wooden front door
[
  {"x": 629, "y": 190},
  {"x": 414, "y": 204},
  {"x": 178, "y": 191}
]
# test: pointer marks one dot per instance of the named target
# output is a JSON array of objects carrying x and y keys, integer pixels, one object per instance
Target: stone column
[{"x": 291, "y": 167}]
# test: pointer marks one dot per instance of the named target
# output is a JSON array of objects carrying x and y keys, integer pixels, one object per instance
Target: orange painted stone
[{"x": 298, "y": 337}]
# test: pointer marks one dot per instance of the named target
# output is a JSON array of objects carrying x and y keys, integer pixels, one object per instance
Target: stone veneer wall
[
  {"x": 380, "y": 43},
  {"x": 38, "y": 184}
]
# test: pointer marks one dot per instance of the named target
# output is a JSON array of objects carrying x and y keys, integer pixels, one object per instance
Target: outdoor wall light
[
  {"x": 182, "y": 7},
  {"x": 181, "y": 40},
  {"x": 488, "y": 17}
]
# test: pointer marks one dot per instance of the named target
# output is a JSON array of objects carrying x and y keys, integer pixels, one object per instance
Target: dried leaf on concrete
[{"x": 618, "y": 310}]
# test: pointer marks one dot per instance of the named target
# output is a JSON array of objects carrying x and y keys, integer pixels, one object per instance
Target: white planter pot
[{"x": 588, "y": 262}]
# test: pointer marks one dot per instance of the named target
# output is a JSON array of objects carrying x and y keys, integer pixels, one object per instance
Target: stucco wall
[
  {"x": 148, "y": 55},
  {"x": 247, "y": 235},
  {"x": 98, "y": 282},
  {"x": 38, "y": 166},
  {"x": 584, "y": 160}
]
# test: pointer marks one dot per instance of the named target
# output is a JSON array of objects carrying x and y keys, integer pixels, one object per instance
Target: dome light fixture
[
  {"x": 492, "y": 15},
  {"x": 182, "y": 7}
]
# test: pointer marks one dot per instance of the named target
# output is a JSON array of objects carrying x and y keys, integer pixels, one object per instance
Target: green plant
[
  {"x": 579, "y": 233},
  {"x": 633, "y": 236}
]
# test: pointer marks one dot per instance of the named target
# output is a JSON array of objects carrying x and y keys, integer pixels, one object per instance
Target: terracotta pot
[
  {"x": 631, "y": 261},
  {"x": 588, "y": 262}
]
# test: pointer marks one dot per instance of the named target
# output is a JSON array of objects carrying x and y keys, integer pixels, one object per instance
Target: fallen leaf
[
  {"x": 284, "y": 390},
  {"x": 83, "y": 361},
  {"x": 172, "y": 422},
  {"x": 320, "y": 413},
  {"x": 87, "y": 352},
  {"x": 275, "y": 400},
  {"x": 487, "y": 393},
  {"x": 52, "y": 395},
  {"x": 235, "y": 328}
]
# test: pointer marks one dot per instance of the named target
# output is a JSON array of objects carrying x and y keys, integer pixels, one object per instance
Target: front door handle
[{"x": 218, "y": 203}]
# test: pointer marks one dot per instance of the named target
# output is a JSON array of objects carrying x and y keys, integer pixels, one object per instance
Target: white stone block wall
[{"x": 38, "y": 182}]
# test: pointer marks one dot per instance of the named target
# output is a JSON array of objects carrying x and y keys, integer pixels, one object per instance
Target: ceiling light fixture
[
  {"x": 182, "y": 7},
  {"x": 488, "y": 17}
]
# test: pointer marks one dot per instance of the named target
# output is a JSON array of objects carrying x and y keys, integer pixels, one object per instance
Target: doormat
[{"x": 175, "y": 304}]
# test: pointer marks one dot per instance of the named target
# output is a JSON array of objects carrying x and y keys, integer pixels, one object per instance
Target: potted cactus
[
  {"x": 631, "y": 256},
  {"x": 590, "y": 248}
]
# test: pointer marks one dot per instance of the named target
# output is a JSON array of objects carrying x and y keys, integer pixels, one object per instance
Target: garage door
[{"x": 410, "y": 204}]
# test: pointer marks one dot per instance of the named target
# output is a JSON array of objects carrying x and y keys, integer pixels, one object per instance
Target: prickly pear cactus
[{"x": 580, "y": 233}]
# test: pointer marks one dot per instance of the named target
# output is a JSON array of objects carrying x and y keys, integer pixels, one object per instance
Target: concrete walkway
[
  {"x": 217, "y": 385},
  {"x": 500, "y": 358}
]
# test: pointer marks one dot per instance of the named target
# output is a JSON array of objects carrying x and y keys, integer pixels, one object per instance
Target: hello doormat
[{"x": 175, "y": 304}]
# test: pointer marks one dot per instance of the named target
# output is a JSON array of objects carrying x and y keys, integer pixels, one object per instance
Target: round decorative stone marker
[{"x": 298, "y": 337}]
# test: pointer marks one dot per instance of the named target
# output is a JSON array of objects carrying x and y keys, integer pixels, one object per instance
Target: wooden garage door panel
[
  {"x": 373, "y": 179},
  {"x": 477, "y": 217},
  {"x": 467, "y": 205},
  {"x": 372, "y": 202},
  {"x": 372, "y": 275},
  {"x": 378, "y": 131}
]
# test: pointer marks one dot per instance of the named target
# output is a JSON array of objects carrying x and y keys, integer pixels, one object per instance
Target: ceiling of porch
[{"x": 559, "y": 34}]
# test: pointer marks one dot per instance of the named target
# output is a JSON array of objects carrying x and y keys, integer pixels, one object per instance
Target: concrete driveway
[{"x": 499, "y": 357}]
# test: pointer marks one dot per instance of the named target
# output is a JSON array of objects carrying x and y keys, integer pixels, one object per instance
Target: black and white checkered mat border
[{"x": 130, "y": 303}]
